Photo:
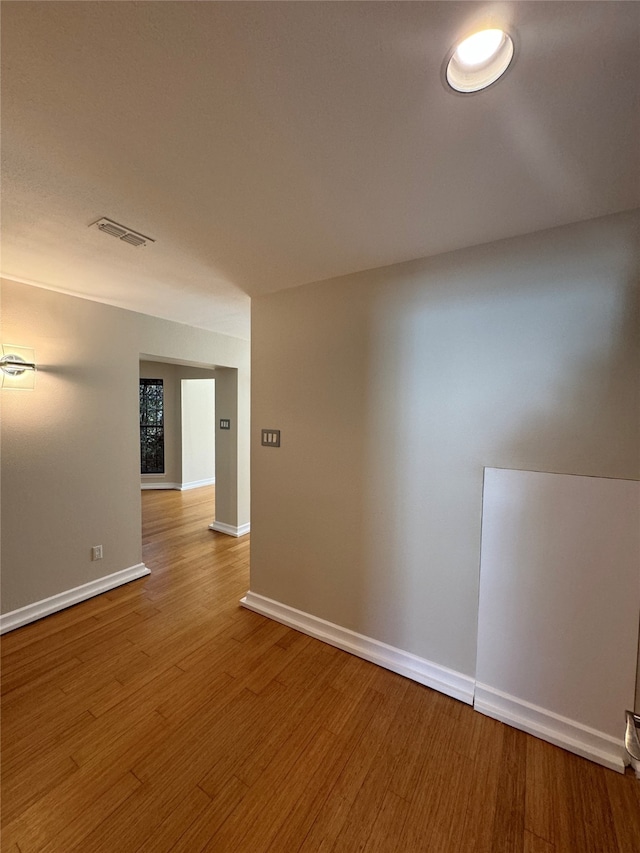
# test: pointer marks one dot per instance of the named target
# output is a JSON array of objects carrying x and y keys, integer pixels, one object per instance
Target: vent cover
[{"x": 127, "y": 235}]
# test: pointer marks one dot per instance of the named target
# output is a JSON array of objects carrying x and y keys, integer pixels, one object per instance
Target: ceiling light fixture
[{"x": 479, "y": 60}]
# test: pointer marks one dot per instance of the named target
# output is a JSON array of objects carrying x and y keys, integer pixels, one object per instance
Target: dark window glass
[{"x": 151, "y": 426}]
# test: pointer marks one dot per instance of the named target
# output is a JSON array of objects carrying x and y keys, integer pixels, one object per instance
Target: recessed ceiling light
[{"x": 479, "y": 60}]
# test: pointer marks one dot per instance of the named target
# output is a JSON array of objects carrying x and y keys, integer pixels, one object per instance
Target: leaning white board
[{"x": 559, "y": 608}]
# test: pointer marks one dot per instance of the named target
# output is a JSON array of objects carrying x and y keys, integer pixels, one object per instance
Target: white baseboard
[
  {"x": 181, "y": 487},
  {"x": 31, "y": 612},
  {"x": 196, "y": 484},
  {"x": 229, "y": 529},
  {"x": 418, "y": 669},
  {"x": 144, "y": 485},
  {"x": 560, "y": 731}
]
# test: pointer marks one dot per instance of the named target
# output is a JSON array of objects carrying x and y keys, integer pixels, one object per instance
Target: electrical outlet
[{"x": 96, "y": 552}]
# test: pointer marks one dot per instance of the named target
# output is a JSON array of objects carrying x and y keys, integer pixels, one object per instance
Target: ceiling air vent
[
  {"x": 134, "y": 239},
  {"x": 127, "y": 235}
]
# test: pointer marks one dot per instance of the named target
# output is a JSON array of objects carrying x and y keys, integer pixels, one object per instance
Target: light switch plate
[{"x": 271, "y": 438}]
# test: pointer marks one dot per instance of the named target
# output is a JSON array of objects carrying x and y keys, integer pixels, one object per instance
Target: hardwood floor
[{"x": 161, "y": 716}]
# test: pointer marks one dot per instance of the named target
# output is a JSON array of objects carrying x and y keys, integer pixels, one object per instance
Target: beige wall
[
  {"x": 394, "y": 388},
  {"x": 70, "y": 448},
  {"x": 172, "y": 421},
  {"x": 173, "y": 376},
  {"x": 227, "y": 447},
  {"x": 198, "y": 430}
]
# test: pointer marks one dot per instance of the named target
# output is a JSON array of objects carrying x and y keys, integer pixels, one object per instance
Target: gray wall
[
  {"x": 172, "y": 376},
  {"x": 70, "y": 448},
  {"x": 394, "y": 388}
]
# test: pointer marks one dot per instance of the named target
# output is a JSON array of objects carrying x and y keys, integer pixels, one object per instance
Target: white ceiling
[{"x": 266, "y": 145}]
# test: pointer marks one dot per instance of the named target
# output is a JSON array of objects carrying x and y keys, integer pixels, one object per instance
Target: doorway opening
[{"x": 203, "y": 437}]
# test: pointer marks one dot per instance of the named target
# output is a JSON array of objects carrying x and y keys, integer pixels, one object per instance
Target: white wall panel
[
  {"x": 558, "y": 608},
  {"x": 198, "y": 430}
]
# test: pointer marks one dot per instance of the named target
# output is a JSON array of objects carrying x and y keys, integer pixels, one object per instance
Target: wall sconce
[{"x": 18, "y": 367}]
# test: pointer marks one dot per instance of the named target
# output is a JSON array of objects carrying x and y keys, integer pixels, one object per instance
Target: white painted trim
[
  {"x": 181, "y": 487},
  {"x": 229, "y": 529},
  {"x": 560, "y": 731},
  {"x": 31, "y": 612},
  {"x": 418, "y": 669},
  {"x": 160, "y": 486},
  {"x": 196, "y": 484}
]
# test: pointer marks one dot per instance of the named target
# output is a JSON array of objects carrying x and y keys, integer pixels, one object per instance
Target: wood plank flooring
[{"x": 161, "y": 716}]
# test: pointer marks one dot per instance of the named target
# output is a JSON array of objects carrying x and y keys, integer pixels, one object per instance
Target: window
[{"x": 151, "y": 426}]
